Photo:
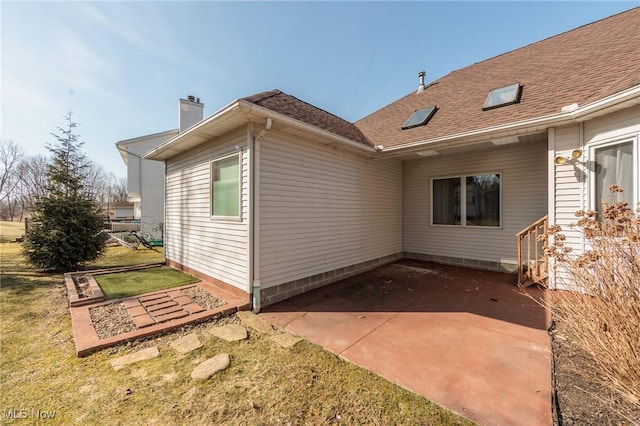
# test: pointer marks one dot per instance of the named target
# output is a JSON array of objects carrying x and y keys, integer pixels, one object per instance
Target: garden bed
[{"x": 83, "y": 289}]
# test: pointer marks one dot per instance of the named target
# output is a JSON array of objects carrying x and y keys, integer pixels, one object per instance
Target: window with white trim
[
  {"x": 615, "y": 163},
  {"x": 480, "y": 205},
  {"x": 225, "y": 187}
]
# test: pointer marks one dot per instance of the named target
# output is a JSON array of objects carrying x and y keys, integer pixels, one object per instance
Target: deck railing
[
  {"x": 533, "y": 263},
  {"x": 122, "y": 225}
]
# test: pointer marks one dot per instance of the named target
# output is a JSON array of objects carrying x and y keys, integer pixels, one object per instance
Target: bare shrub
[{"x": 602, "y": 313}]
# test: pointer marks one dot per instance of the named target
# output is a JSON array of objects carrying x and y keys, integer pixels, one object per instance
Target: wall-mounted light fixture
[{"x": 572, "y": 157}]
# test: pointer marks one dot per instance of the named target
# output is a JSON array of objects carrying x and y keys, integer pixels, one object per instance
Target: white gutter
[
  {"x": 220, "y": 114},
  {"x": 539, "y": 123},
  {"x": 254, "y": 212},
  {"x": 483, "y": 134},
  {"x": 597, "y": 106}
]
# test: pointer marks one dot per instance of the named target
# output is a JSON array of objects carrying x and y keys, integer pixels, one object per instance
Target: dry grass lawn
[{"x": 265, "y": 383}]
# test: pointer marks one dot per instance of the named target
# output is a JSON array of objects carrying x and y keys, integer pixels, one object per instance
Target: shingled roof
[
  {"x": 580, "y": 66},
  {"x": 280, "y": 102}
]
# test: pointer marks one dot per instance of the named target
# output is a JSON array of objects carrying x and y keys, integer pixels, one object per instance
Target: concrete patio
[{"x": 469, "y": 340}]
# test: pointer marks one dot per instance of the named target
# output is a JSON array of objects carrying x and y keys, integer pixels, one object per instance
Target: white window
[
  {"x": 225, "y": 187},
  {"x": 480, "y": 206},
  {"x": 615, "y": 163}
]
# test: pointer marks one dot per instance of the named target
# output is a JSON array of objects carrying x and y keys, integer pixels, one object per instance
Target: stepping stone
[
  {"x": 162, "y": 305},
  {"x": 170, "y": 316},
  {"x": 159, "y": 312},
  {"x": 175, "y": 293},
  {"x": 187, "y": 343},
  {"x": 143, "y": 321},
  {"x": 230, "y": 332},
  {"x": 150, "y": 303},
  {"x": 193, "y": 308},
  {"x": 208, "y": 368},
  {"x": 183, "y": 300},
  {"x": 286, "y": 340},
  {"x": 136, "y": 311},
  {"x": 141, "y": 355},
  {"x": 152, "y": 297},
  {"x": 250, "y": 319},
  {"x": 131, "y": 303}
]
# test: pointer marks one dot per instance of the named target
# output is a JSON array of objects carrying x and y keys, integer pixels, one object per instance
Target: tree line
[{"x": 23, "y": 180}]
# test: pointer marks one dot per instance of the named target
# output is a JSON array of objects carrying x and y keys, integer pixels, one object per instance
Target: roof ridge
[{"x": 318, "y": 108}]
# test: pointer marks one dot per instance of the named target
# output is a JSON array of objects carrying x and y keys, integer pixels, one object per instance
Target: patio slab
[{"x": 466, "y": 339}]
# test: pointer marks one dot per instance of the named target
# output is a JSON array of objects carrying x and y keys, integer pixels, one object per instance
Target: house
[
  {"x": 122, "y": 211},
  {"x": 271, "y": 196},
  {"x": 145, "y": 178}
]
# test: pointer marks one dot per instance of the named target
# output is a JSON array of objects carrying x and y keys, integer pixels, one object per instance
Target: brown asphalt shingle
[
  {"x": 579, "y": 66},
  {"x": 288, "y": 105}
]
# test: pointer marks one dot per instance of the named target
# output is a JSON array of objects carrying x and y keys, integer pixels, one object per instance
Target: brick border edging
[
  {"x": 96, "y": 291},
  {"x": 87, "y": 341}
]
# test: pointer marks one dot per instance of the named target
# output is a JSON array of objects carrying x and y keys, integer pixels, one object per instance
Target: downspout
[
  {"x": 255, "y": 218},
  {"x": 586, "y": 181},
  {"x": 551, "y": 197}
]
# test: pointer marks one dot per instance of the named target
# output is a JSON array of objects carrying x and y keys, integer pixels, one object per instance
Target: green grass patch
[{"x": 127, "y": 284}]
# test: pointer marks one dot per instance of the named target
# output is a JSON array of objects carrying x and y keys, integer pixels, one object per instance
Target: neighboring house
[
  {"x": 272, "y": 197},
  {"x": 123, "y": 211},
  {"x": 145, "y": 178}
]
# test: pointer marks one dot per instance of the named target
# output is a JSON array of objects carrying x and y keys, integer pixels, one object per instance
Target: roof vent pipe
[{"x": 421, "y": 86}]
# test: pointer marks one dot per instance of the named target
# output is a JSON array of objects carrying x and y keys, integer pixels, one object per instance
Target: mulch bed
[
  {"x": 113, "y": 319},
  {"x": 580, "y": 400}
]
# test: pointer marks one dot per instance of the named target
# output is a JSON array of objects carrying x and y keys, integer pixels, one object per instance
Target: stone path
[{"x": 190, "y": 342}]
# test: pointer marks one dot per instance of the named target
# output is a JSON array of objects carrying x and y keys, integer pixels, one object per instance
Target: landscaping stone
[
  {"x": 230, "y": 332},
  {"x": 286, "y": 340},
  {"x": 208, "y": 368},
  {"x": 187, "y": 343},
  {"x": 250, "y": 319},
  {"x": 141, "y": 355},
  {"x": 143, "y": 321},
  {"x": 173, "y": 315}
]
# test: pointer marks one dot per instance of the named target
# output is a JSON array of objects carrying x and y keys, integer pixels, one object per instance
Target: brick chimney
[{"x": 190, "y": 112}]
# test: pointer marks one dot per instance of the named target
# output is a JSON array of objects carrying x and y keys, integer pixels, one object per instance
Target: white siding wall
[
  {"x": 322, "y": 209},
  {"x": 573, "y": 181},
  {"x": 622, "y": 125},
  {"x": 523, "y": 169},
  {"x": 145, "y": 179},
  {"x": 152, "y": 197},
  {"x": 215, "y": 248},
  {"x": 570, "y": 184}
]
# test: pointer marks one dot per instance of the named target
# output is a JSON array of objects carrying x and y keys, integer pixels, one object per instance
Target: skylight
[
  {"x": 419, "y": 118},
  {"x": 501, "y": 96}
]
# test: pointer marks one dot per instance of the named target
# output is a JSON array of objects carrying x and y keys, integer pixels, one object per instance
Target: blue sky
[{"x": 122, "y": 66}]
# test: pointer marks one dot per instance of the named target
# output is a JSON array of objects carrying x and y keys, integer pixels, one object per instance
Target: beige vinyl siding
[
  {"x": 152, "y": 198},
  {"x": 617, "y": 127},
  {"x": 217, "y": 248},
  {"x": 323, "y": 208},
  {"x": 569, "y": 186},
  {"x": 573, "y": 181},
  {"x": 145, "y": 179},
  {"x": 523, "y": 169}
]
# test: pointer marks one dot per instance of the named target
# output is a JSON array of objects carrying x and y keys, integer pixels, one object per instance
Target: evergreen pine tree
[{"x": 67, "y": 219}]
